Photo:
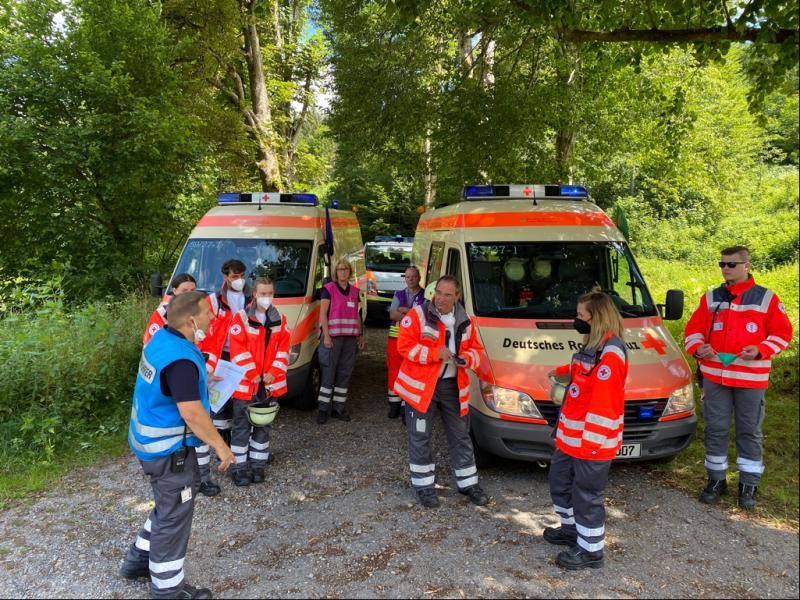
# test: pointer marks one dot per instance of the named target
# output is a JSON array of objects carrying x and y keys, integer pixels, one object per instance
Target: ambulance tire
[
  {"x": 307, "y": 399},
  {"x": 483, "y": 458}
]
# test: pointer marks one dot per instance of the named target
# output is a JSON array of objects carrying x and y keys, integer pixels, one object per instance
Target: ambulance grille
[{"x": 637, "y": 426}]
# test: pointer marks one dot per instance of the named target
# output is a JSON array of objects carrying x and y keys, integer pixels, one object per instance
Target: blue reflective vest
[{"x": 156, "y": 426}]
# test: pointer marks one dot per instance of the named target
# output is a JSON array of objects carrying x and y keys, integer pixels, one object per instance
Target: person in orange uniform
[
  {"x": 734, "y": 333},
  {"x": 260, "y": 343},
  {"x": 232, "y": 297},
  {"x": 439, "y": 342},
  {"x": 180, "y": 283},
  {"x": 404, "y": 300},
  {"x": 588, "y": 434}
]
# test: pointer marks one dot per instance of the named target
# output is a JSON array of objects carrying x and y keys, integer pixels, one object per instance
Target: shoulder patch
[
  {"x": 236, "y": 330},
  {"x": 153, "y": 328},
  {"x": 406, "y": 322},
  {"x": 604, "y": 372},
  {"x": 574, "y": 390}
]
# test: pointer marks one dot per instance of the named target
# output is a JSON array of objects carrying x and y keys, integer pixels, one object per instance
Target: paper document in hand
[{"x": 219, "y": 392}]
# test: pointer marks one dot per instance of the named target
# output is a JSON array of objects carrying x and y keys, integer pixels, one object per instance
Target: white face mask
[
  {"x": 199, "y": 334},
  {"x": 264, "y": 302},
  {"x": 237, "y": 285},
  {"x": 448, "y": 320}
]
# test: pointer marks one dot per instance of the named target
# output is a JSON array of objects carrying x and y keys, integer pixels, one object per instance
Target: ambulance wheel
[
  {"x": 483, "y": 458},
  {"x": 308, "y": 397}
]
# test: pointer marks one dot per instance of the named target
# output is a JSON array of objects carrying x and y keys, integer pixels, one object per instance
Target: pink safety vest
[{"x": 343, "y": 319}]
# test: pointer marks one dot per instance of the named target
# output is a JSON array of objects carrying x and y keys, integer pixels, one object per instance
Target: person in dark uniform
[
  {"x": 589, "y": 433},
  {"x": 169, "y": 419}
]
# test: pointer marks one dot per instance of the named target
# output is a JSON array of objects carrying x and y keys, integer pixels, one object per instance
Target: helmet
[
  {"x": 558, "y": 388},
  {"x": 541, "y": 269},
  {"x": 261, "y": 413},
  {"x": 515, "y": 268}
]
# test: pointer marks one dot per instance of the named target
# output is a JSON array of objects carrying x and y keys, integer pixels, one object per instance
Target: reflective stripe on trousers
[{"x": 420, "y": 425}]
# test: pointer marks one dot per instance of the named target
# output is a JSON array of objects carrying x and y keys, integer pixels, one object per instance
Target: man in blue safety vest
[{"x": 169, "y": 419}]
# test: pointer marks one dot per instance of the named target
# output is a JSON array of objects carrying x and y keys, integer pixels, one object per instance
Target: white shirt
[{"x": 449, "y": 368}]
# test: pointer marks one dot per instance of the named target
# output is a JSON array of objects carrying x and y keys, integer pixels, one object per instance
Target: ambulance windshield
[
  {"x": 286, "y": 262},
  {"x": 387, "y": 258},
  {"x": 544, "y": 279}
]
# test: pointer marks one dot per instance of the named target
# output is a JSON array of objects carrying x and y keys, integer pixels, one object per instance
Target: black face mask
[{"x": 581, "y": 326}]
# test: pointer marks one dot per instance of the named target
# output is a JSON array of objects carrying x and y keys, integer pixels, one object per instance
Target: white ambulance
[
  {"x": 524, "y": 253},
  {"x": 386, "y": 260},
  {"x": 287, "y": 237}
]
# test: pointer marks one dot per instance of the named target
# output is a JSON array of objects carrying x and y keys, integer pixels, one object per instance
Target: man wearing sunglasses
[{"x": 734, "y": 334}]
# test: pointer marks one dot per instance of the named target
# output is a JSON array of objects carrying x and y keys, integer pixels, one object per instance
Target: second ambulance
[{"x": 524, "y": 254}]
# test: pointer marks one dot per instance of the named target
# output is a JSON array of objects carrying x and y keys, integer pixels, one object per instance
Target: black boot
[
  {"x": 714, "y": 489},
  {"x": 394, "y": 410},
  {"x": 241, "y": 478},
  {"x": 747, "y": 496},
  {"x": 476, "y": 495},
  {"x": 258, "y": 475},
  {"x": 427, "y": 497},
  {"x": 189, "y": 591},
  {"x": 134, "y": 570},
  {"x": 578, "y": 558},
  {"x": 322, "y": 416},
  {"x": 557, "y": 535},
  {"x": 209, "y": 488}
]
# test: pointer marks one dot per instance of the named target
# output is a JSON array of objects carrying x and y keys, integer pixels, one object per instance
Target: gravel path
[{"x": 337, "y": 518}]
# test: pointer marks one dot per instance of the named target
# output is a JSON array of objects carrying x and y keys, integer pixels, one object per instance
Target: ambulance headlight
[
  {"x": 680, "y": 401},
  {"x": 294, "y": 353},
  {"x": 510, "y": 402}
]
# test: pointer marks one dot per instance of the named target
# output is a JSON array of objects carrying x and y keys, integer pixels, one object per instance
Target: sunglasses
[{"x": 730, "y": 265}]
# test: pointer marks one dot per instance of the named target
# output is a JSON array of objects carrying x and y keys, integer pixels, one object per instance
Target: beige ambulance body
[
  {"x": 285, "y": 240},
  {"x": 524, "y": 253}
]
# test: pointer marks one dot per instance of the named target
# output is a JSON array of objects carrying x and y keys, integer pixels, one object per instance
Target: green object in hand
[{"x": 726, "y": 358}]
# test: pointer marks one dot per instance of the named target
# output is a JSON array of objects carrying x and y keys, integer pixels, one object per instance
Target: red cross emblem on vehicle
[
  {"x": 527, "y": 191},
  {"x": 654, "y": 343}
]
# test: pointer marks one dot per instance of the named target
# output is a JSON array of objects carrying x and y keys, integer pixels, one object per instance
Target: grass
[{"x": 778, "y": 493}]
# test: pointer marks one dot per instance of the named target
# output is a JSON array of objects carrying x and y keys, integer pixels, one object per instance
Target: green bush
[{"x": 66, "y": 378}]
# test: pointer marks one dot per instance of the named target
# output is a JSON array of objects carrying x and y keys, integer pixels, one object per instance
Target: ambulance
[
  {"x": 386, "y": 260},
  {"x": 524, "y": 254},
  {"x": 291, "y": 239}
]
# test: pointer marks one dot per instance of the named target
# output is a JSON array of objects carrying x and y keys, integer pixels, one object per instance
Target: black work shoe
[
  {"x": 476, "y": 495},
  {"x": 189, "y": 591},
  {"x": 556, "y": 535},
  {"x": 394, "y": 410},
  {"x": 578, "y": 558},
  {"x": 134, "y": 570},
  {"x": 209, "y": 488},
  {"x": 240, "y": 478},
  {"x": 714, "y": 489},
  {"x": 427, "y": 497},
  {"x": 342, "y": 416},
  {"x": 322, "y": 417},
  {"x": 258, "y": 476},
  {"x": 747, "y": 496}
]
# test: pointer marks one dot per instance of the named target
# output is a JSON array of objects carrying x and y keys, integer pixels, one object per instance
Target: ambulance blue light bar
[
  {"x": 525, "y": 191},
  {"x": 266, "y": 198}
]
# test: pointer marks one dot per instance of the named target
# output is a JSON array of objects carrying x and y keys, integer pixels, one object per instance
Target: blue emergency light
[
  {"x": 646, "y": 412},
  {"x": 266, "y": 198},
  {"x": 525, "y": 192}
]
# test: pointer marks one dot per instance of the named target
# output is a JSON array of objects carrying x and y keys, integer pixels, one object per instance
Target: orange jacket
[
  {"x": 593, "y": 413},
  {"x": 157, "y": 320},
  {"x": 261, "y": 349},
  {"x": 419, "y": 342},
  {"x": 753, "y": 316},
  {"x": 217, "y": 333}
]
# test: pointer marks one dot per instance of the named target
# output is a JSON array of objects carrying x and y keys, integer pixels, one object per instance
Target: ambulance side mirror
[
  {"x": 156, "y": 285},
  {"x": 673, "y": 309}
]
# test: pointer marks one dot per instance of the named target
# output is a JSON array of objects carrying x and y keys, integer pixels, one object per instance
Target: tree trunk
[
  {"x": 566, "y": 134},
  {"x": 430, "y": 176},
  {"x": 266, "y": 157}
]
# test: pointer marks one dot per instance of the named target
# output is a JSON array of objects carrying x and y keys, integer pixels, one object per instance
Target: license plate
[{"x": 629, "y": 451}]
